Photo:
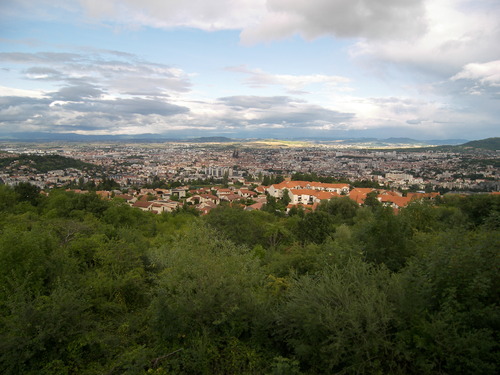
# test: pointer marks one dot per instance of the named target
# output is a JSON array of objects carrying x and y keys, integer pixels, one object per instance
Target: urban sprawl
[{"x": 205, "y": 175}]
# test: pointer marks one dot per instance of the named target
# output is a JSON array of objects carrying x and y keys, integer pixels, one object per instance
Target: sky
[{"x": 423, "y": 69}]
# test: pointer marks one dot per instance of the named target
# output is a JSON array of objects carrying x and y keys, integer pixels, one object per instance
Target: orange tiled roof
[
  {"x": 302, "y": 191},
  {"x": 390, "y": 193},
  {"x": 398, "y": 201},
  {"x": 325, "y": 195},
  {"x": 315, "y": 193},
  {"x": 359, "y": 194},
  {"x": 362, "y": 190}
]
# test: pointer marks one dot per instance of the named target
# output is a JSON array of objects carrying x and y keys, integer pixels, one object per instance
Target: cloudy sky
[{"x": 425, "y": 69}]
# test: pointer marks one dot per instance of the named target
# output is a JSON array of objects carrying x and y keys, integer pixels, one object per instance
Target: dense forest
[
  {"x": 89, "y": 286},
  {"x": 44, "y": 163}
]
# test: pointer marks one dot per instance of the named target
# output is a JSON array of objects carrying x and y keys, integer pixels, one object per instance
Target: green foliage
[
  {"x": 272, "y": 179},
  {"x": 286, "y": 198},
  {"x": 27, "y": 192},
  {"x": 340, "y": 320},
  {"x": 372, "y": 201},
  {"x": 315, "y": 227},
  {"x": 365, "y": 184},
  {"x": 8, "y": 198},
  {"x": 343, "y": 210},
  {"x": 108, "y": 184},
  {"x": 206, "y": 301},
  {"x": 45, "y": 163},
  {"x": 449, "y": 313},
  {"x": 384, "y": 239},
  {"x": 241, "y": 227},
  {"x": 69, "y": 204},
  {"x": 285, "y": 366},
  {"x": 37, "y": 331},
  {"x": 207, "y": 282},
  {"x": 89, "y": 286},
  {"x": 295, "y": 260},
  {"x": 274, "y": 206},
  {"x": 486, "y": 144},
  {"x": 480, "y": 207}
]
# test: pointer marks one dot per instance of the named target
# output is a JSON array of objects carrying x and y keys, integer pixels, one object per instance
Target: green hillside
[
  {"x": 488, "y": 144},
  {"x": 485, "y": 144},
  {"x": 43, "y": 163}
]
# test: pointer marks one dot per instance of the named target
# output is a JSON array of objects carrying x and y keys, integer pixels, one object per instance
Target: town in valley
[{"x": 163, "y": 177}]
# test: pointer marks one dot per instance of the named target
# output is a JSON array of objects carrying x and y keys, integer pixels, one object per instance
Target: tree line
[{"x": 89, "y": 286}]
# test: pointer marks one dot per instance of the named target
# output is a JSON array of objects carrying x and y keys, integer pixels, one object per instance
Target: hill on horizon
[
  {"x": 43, "y": 163},
  {"x": 485, "y": 144}
]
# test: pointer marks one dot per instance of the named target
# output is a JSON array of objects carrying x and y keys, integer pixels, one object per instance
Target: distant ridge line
[{"x": 488, "y": 143}]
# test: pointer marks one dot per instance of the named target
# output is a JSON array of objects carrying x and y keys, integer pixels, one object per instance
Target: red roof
[
  {"x": 325, "y": 195},
  {"x": 359, "y": 194},
  {"x": 398, "y": 201}
]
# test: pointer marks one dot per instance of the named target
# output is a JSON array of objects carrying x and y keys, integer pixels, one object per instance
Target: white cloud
[
  {"x": 201, "y": 14},
  {"x": 431, "y": 36},
  {"x": 10, "y": 91},
  {"x": 260, "y": 20},
  {"x": 258, "y": 78},
  {"x": 119, "y": 75},
  {"x": 370, "y": 19},
  {"x": 458, "y": 31},
  {"x": 486, "y": 73},
  {"x": 453, "y": 41},
  {"x": 419, "y": 118}
]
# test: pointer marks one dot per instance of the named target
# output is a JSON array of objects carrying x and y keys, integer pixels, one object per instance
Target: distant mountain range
[
  {"x": 72, "y": 137},
  {"x": 211, "y": 140},
  {"x": 405, "y": 141},
  {"x": 489, "y": 143}
]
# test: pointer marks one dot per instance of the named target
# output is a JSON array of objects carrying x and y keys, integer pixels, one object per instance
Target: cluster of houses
[
  {"x": 310, "y": 194},
  {"x": 304, "y": 194}
]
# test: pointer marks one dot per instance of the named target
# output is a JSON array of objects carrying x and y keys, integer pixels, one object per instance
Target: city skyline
[{"x": 288, "y": 69}]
